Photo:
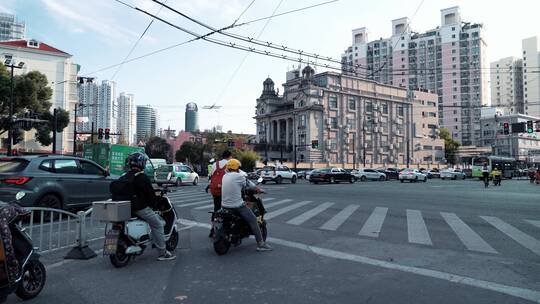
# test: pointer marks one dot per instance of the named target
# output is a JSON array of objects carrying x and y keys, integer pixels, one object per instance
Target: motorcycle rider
[
  {"x": 216, "y": 176},
  {"x": 496, "y": 176},
  {"x": 145, "y": 197},
  {"x": 233, "y": 183}
]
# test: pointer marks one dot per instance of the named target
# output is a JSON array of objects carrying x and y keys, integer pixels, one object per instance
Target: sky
[{"x": 100, "y": 33}]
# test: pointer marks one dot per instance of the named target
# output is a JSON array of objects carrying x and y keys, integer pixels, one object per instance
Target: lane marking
[
  {"x": 534, "y": 223},
  {"x": 283, "y": 210},
  {"x": 204, "y": 207},
  {"x": 277, "y": 203},
  {"x": 193, "y": 204},
  {"x": 416, "y": 228},
  {"x": 517, "y": 235},
  {"x": 468, "y": 237},
  {"x": 299, "y": 220},
  {"x": 523, "y": 293},
  {"x": 340, "y": 218},
  {"x": 372, "y": 227}
]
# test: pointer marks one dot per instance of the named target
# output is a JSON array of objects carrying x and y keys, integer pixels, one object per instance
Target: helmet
[
  {"x": 136, "y": 159},
  {"x": 233, "y": 164},
  {"x": 212, "y": 161}
]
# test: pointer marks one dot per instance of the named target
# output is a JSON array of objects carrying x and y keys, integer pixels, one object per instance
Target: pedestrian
[
  {"x": 209, "y": 172},
  {"x": 537, "y": 176},
  {"x": 217, "y": 172},
  {"x": 485, "y": 175}
]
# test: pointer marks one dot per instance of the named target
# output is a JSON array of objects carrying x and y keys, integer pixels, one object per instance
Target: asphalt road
[{"x": 371, "y": 242}]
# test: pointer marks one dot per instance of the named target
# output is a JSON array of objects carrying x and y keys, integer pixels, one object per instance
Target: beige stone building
[{"x": 352, "y": 120}]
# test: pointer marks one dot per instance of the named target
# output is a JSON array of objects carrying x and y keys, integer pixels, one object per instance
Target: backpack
[
  {"x": 215, "y": 181},
  {"x": 123, "y": 189}
]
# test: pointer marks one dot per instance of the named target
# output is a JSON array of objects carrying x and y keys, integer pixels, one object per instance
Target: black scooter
[
  {"x": 231, "y": 228},
  {"x": 31, "y": 279}
]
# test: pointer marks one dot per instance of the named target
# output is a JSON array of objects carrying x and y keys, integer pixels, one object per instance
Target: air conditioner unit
[{"x": 346, "y": 129}]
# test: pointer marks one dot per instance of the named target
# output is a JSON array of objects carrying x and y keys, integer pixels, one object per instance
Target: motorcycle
[
  {"x": 496, "y": 180},
  {"x": 32, "y": 275},
  {"x": 231, "y": 228},
  {"x": 128, "y": 239}
]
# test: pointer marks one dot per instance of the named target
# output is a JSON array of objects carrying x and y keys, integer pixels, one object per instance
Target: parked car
[
  {"x": 277, "y": 174},
  {"x": 54, "y": 181},
  {"x": 301, "y": 174},
  {"x": 308, "y": 173},
  {"x": 331, "y": 175},
  {"x": 434, "y": 173},
  {"x": 453, "y": 174},
  {"x": 372, "y": 174},
  {"x": 180, "y": 174},
  {"x": 412, "y": 175},
  {"x": 391, "y": 173}
]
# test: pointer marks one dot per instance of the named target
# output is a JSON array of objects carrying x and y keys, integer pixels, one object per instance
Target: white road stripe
[
  {"x": 373, "y": 225},
  {"x": 204, "y": 207},
  {"x": 193, "y": 204},
  {"x": 276, "y": 203},
  {"x": 338, "y": 219},
  {"x": 468, "y": 237},
  {"x": 416, "y": 228},
  {"x": 517, "y": 235},
  {"x": 285, "y": 209},
  {"x": 299, "y": 220},
  {"x": 535, "y": 223},
  {"x": 523, "y": 293},
  {"x": 183, "y": 195}
]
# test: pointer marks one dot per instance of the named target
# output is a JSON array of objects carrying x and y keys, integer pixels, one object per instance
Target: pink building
[
  {"x": 182, "y": 137},
  {"x": 447, "y": 60}
]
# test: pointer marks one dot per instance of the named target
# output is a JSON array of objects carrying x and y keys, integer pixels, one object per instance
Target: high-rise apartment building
[
  {"x": 192, "y": 117},
  {"x": 507, "y": 84},
  {"x": 448, "y": 60},
  {"x": 127, "y": 119},
  {"x": 98, "y": 105},
  {"x": 531, "y": 76},
  {"x": 147, "y": 123},
  {"x": 11, "y": 28}
]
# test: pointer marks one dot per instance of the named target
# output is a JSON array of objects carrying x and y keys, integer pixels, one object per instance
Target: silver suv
[{"x": 53, "y": 181}]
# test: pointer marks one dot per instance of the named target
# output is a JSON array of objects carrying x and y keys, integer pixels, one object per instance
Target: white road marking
[
  {"x": 299, "y": 220},
  {"x": 533, "y": 222},
  {"x": 277, "y": 203},
  {"x": 523, "y": 293},
  {"x": 193, "y": 204},
  {"x": 283, "y": 210},
  {"x": 338, "y": 219},
  {"x": 373, "y": 225},
  {"x": 416, "y": 228},
  {"x": 468, "y": 237},
  {"x": 517, "y": 235},
  {"x": 188, "y": 196},
  {"x": 204, "y": 207}
]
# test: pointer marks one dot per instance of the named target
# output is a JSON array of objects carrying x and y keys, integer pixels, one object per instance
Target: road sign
[{"x": 518, "y": 127}]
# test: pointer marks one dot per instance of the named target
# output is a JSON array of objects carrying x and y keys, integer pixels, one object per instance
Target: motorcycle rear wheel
[
  {"x": 172, "y": 243},
  {"x": 221, "y": 245},
  {"x": 120, "y": 258},
  {"x": 33, "y": 281}
]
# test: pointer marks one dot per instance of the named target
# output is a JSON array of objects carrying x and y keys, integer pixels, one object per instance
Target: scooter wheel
[
  {"x": 120, "y": 258},
  {"x": 33, "y": 280},
  {"x": 221, "y": 245},
  {"x": 172, "y": 243}
]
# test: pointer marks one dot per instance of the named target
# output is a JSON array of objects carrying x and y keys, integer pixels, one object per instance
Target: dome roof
[
  {"x": 268, "y": 81},
  {"x": 192, "y": 107},
  {"x": 308, "y": 70}
]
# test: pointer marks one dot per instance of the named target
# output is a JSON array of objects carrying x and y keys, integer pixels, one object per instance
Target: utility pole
[
  {"x": 92, "y": 135},
  {"x": 354, "y": 153},
  {"x": 294, "y": 140},
  {"x": 55, "y": 127},
  {"x": 364, "y": 146},
  {"x": 75, "y": 130},
  {"x": 12, "y": 65},
  {"x": 281, "y": 152}
]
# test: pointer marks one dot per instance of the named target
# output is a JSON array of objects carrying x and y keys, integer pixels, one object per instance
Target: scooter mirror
[
  {"x": 260, "y": 180},
  {"x": 19, "y": 196}
]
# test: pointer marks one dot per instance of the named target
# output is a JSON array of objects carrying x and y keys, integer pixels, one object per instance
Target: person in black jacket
[{"x": 145, "y": 197}]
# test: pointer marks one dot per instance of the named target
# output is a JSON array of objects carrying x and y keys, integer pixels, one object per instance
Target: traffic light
[
  {"x": 100, "y": 133},
  {"x": 315, "y": 144},
  {"x": 506, "y": 128},
  {"x": 107, "y": 133},
  {"x": 530, "y": 128}
]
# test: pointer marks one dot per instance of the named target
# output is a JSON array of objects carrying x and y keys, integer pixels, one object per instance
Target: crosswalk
[{"x": 331, "y": 216}]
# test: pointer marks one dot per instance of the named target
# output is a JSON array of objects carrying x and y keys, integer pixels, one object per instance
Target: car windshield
[
  {"x": 12, "y": 165},
  {"x": 166, "y": 168},
  {"x": 269, "y": 168}
]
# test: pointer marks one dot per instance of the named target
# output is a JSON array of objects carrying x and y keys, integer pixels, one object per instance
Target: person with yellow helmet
[{"x": 234, "y": 181}]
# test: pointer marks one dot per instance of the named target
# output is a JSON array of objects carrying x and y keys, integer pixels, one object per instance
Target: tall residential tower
[
  {"x": 127, "y": 119},
  {"x": 11, "y": 28}
]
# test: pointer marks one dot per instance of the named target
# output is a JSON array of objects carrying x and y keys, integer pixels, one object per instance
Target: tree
[
  {"x": 450, "y": 145},
  {"x": 247, "y": 158},
  {"x": 157, "y": 147},
  {"x": 31, "y": 96},
  {"x": 194, "y": 153}
]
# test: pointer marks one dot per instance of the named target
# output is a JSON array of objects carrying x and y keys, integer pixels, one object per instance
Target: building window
[
  {"x": 351, "y": 123},
  {"x": 385, "y": 108},
  {"x": 369, "y": 106},
  {"x": 400, "y": 110},
  {"x": 333, "y": 144},
  {"x": 352, "y": 103},
  {"x": 302, "y": 120},
  {"x": 332, "y": 102},
  {"x": 333, "y": 123}
]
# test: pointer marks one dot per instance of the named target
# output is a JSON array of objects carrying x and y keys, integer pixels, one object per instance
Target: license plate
[{"x": 111, "y": 241}]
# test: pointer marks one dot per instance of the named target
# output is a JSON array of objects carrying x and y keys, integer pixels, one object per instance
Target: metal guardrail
[{"x": 55, "y": 229}]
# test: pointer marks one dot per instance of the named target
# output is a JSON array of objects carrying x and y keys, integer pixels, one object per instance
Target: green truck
[{"x": 112, "y": 157}]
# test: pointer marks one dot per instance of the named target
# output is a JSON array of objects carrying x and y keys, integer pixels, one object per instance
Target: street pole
[
  {"x": 55, "y": 123},
  {"x": 75, "y": 131},
  {"x": 364, "y": 142},
  {"x": 281, "y": 152},
  {"x": 354, "y": 153},
  {"x": 92, "y": 135},
  {"x": 294, "y": 140},
  {"x": 10, "y": 119}
]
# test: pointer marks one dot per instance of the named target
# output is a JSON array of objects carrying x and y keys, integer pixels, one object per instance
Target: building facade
[
  {"x": 522, "y": 146},
  {"x": 531, "y": 80},
  {"x": 61, "y": 72},
  {"x": 507, "y": 84},
  {"x": 147, "y": 124},
  {"x": 352, "y": 120},
  {"x": 11, "y": 28},
  {"x": 127, "y": 119},
  {"x": 448, "y": 60},
  {"x": 98, "y": 105},
  {"x": 192, "y": 117}
]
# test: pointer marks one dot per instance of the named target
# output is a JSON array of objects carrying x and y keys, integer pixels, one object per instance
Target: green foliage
[
  {"x": 193, "y": 153},
  {"x": 157, "y": 147},
  {"x": 32, "y": 94},
  {"x": 450, "y": 145},
  {"x": 247, "y": 158}
]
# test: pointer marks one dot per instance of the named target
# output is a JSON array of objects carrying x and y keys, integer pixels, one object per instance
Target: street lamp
[{"x": 9, "y": 62}]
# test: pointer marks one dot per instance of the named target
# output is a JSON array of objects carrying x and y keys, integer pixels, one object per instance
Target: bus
[{"x": 506, "y": 164}]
